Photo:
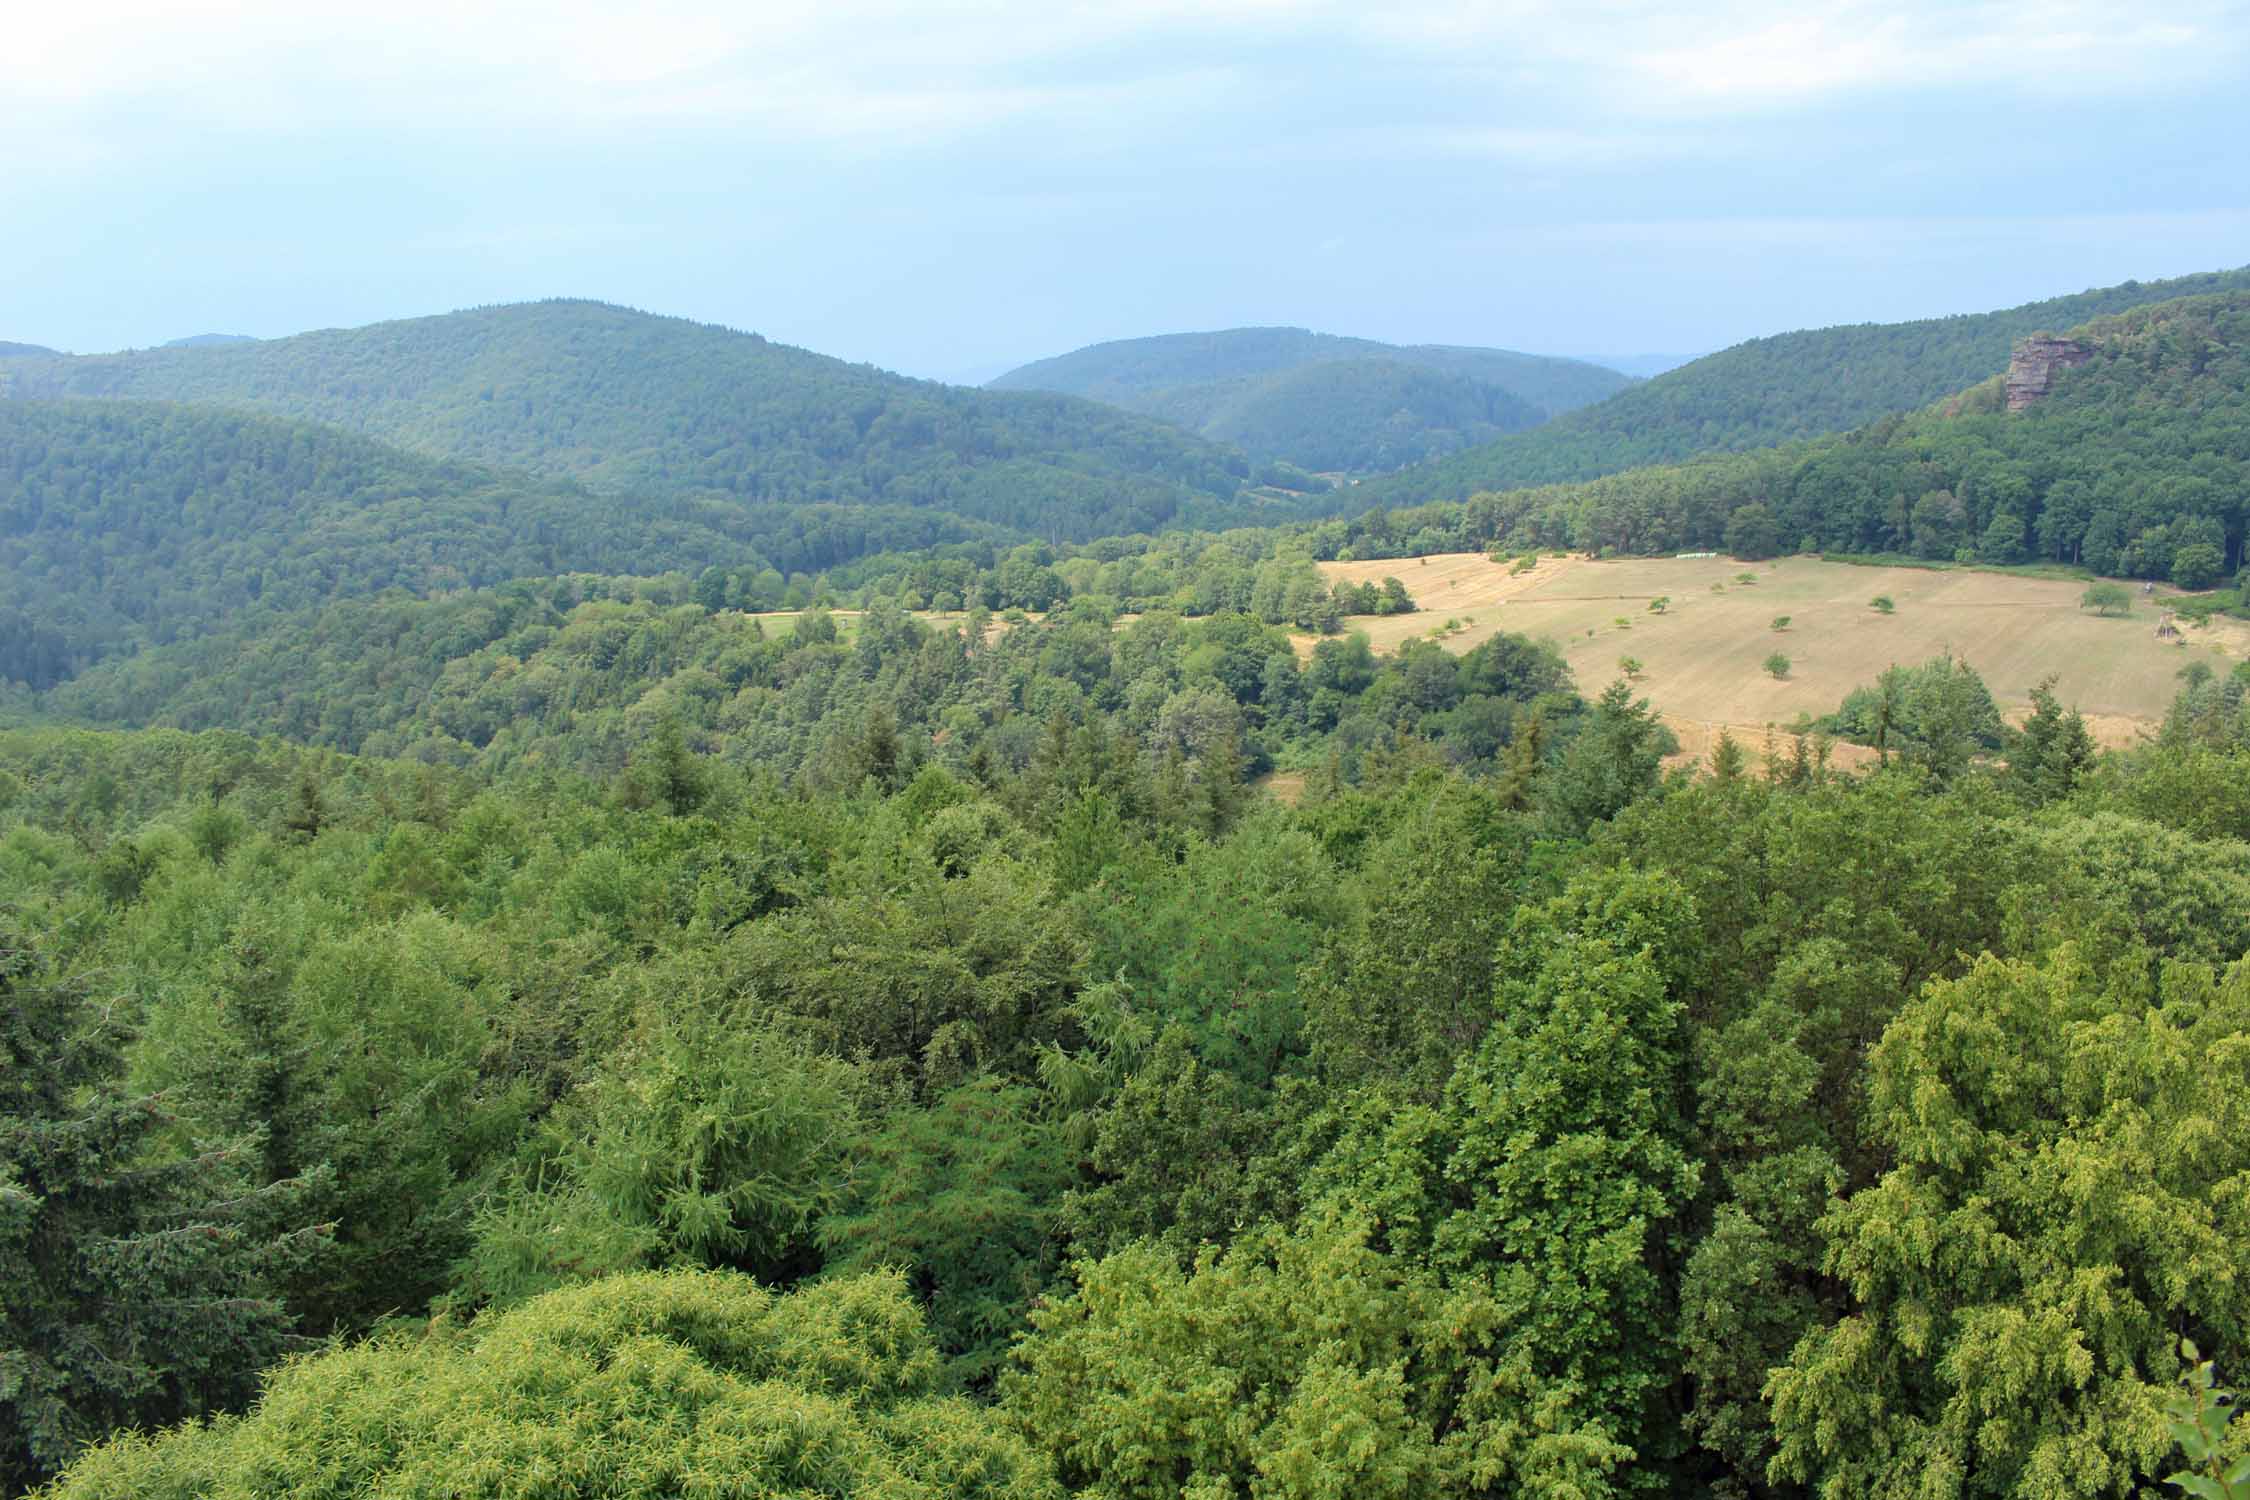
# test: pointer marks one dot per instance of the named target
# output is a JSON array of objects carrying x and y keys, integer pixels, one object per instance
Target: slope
[
  {"x": 2136, "y": 461},
  {"x": 128, "y": 524},
  {"x": 1321, "y": 401},
  {"x": 1769, "y": 391},
  {"x": 620, "y": 400}
]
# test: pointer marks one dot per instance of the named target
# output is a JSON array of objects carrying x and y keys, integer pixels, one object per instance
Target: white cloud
[{"x": 906, "y": 70}]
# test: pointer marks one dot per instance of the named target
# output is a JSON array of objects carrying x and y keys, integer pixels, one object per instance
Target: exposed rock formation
[{"x": 2032, "y": 368}]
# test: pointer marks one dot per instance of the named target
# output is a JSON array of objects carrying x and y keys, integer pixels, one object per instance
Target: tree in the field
[
  {"x": 136, "y": 1285},
  {"x": 634, "y": 1387},
  {"x": 1777, "y": 665},
  {"x": 2069, "y": 1159},
  {"x": 2106, "y": 599}
]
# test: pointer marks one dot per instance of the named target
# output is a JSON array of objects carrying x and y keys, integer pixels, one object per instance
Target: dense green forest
[
  {"x": 1772, "y": 390},
  {"x": 511, "y": 1016},
  {"x": 1322, "y": 402},
  {"x": 970, "y": 1113},
  {"x": 133, "y": 524},
  {"x": 2136, "y": 463},
  {"x": 625, "y": 402}
]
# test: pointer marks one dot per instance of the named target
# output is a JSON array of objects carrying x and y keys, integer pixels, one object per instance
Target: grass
[{"x": 1704, "y": 656}]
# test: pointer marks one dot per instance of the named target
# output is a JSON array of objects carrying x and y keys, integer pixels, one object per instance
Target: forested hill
[
  {"x": 126, "y": 524},
  {"x": 10, "y": 350},
  {"x": 1125, "y": 371},
  {"x": 1772, "y": 390},
  {"x": 620, "y": 400},
  {"x": 2136, "y": 461},
  {"x": 1321, "y": 401}
]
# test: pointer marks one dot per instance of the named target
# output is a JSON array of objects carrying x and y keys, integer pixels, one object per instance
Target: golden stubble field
[{"x": 1702, "y": 660}]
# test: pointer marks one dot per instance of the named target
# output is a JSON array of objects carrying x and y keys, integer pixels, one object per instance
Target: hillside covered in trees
[
  {"x": 2136, "y": 462},
  {"x": 1319, "y": 401},
  {"x": 127, "y": 524},
  {"x": 1772, "y": 390},
  {"x": 625, "y": 402},
  {"x": 496, "y": 1011}
]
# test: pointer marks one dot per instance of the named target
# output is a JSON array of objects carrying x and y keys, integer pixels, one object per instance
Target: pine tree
[{"x": 135, "y": 1292}]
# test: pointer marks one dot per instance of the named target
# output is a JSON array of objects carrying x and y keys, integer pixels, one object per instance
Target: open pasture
[{"x": 1702, "y": 658}]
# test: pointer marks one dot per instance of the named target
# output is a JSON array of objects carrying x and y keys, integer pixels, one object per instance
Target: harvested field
[{"x": 1702, "y": 658}]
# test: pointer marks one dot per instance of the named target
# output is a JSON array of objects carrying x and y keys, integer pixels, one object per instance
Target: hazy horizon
[{"x": 955, "y": 192}]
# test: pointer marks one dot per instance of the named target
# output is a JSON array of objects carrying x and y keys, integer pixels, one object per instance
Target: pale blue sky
[{"x": 947, "y": 189}]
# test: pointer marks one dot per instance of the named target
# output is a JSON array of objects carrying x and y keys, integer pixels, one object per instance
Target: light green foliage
[
  {"x": 1304, "y": 1364},
  {"x": 688, "y": 1383},
  {"x": 1882, "y": 604},
  {"x": 716, "y": 1143},
  {"x": 2067, "y": 1185},
  {"x": 2199, "y": 1413},
  {"x": 1777, "y": 665},
  {"x": 2107, "y": 599}
]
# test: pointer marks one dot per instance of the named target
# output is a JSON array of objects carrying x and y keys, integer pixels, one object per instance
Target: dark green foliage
[
  {"x": 1938, "y": 716},
  {"x": 961, "y": 1195},
  {"x": 140, "y": 1281},
  {"x": 126, "y": 525},
  {"x": 1772, "y": 390}
]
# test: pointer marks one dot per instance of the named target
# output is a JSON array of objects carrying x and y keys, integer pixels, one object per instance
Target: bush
[
  {"x": 1881, "y": 604},
  {"x": 638, "y": 1385},
  {"x": 1777, "y": 665},
  {"x": 2198, "y": 565},
  {"x": 1781, "y": 622}
]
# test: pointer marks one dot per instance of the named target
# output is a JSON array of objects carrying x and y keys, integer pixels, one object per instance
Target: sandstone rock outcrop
[{"x": 2031, "y": 370}]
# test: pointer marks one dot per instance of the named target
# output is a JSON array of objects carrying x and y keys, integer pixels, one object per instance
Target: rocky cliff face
[{"x": 2032, "y": 368}]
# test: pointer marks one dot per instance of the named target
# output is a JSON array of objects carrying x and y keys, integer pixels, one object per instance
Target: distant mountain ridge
[
  {"x": 1770, "y": 390},
  {"x": 10, "y": 350},
  {"x": 627, "y": 401},
  {"x": 1323, "y": 401},
  {"x": 209, "y": 340}
]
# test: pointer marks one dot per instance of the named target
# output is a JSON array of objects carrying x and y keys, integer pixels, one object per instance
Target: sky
[{"x": 950, "y": 189}]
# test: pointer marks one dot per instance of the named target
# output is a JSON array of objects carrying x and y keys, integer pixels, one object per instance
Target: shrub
[
  {"x": 1781, "y": 622},
  {"x": 1777, "y": 665},
  {"x": 1881, "y": 604}
]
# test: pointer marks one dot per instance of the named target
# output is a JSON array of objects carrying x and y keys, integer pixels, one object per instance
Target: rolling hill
[
  {"x": 2135, "y": 461},
  {"x": 623, "y": 401},
  {"x": 1769, "y": 391},
  {"x": 128, "y": 524},
  {"x": 1321, "y": 401}
]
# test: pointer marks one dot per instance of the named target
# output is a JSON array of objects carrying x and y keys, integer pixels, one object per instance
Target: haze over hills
[
  {"x": 10, "y": 350},
  {"x": 209, "y": 340},
  {"x": 1770, "y": 390},
  {"x": 626, "y": 401},
  {"x": 1321, "y": 401}
]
